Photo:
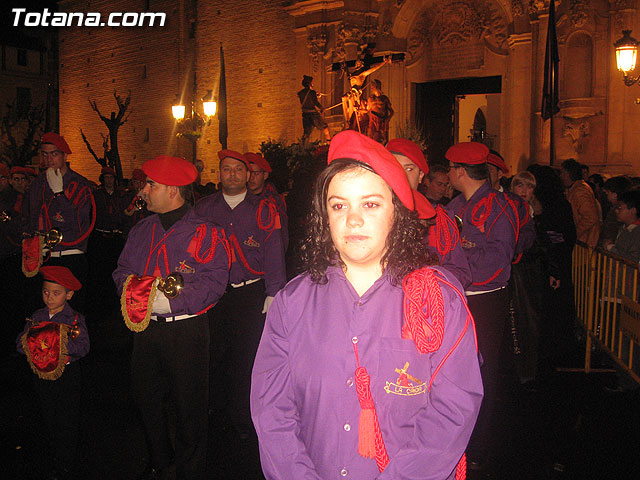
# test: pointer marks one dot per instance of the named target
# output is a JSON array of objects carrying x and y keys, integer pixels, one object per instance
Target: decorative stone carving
[
  {"x": 317, "y": 43},
  {"x": 536, "y": 7},
  {"x": 454, "y": 22},
  {"x": 517, "y": 9},
  {"x": 579, "y": 12},
  {"x": 578, "y": 131}
]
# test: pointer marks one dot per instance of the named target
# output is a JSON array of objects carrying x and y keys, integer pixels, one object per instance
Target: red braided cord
[
  {"x": 270, "y": 223},
  {"x": 445, "y": 227},
  {"x": 201, "y": 231},
  {"x": 461, "y": 468},
  {"x": 363, "y": 390},
  {"x": 417, "y": 309},
  {"x": 481, "y": 210}
]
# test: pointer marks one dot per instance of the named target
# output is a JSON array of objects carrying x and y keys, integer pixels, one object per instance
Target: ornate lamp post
[
  {"x": 191, "y": 127},
  {"x": 626, "y": 54}
]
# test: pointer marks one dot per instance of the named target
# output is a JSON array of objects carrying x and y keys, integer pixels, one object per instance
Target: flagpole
[{"x": 551, "y": 143}]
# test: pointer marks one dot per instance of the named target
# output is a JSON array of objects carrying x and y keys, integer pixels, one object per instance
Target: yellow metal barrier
[{"x": 606, "y": 296}]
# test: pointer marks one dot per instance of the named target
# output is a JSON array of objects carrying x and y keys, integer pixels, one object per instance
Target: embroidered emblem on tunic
[
  {"x": 406, "y": 384},
  {"x": 466, "y": 243},
  {"x": 58, "y": 217},
  {"x": 184, "y": 268},
  {"x": 250, "y": 242}
]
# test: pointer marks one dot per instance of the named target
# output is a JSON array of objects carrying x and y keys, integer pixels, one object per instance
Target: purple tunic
[
  {"x": 256, "y": 244},
  {"x": 488, "y": 236},
  {"x": 455, "y": 260},
  {"x": 77, "y": 347},
  {"x": 269, "y": 192},
  {"x": 303, "y": 396},
  {"x": 150, "y": 250},
  {"x": 70, "y": 213}
]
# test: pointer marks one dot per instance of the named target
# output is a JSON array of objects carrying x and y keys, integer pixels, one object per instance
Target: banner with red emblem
[
  {"x": 32, "y": 255},
  {"x": 45, "y": 345},
  {"x": 136, "y": 301}
]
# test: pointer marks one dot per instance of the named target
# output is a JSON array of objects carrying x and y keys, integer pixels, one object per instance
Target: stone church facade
[{"x": 269, "y": 46}]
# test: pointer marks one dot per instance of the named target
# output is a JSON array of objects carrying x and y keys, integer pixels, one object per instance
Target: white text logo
[{"x": 89, "y": 19}]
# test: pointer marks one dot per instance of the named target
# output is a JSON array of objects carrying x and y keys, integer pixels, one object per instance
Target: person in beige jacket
[{"x": 586, "y": 213}]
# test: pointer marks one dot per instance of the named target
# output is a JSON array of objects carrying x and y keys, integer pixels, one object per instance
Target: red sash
[
  {"x": 45, "y": 345},
  {"x": 136, "y": 301},
  {"x": 32, "y": 255}
]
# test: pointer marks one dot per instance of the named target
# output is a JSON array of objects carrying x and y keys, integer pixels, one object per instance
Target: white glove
[
  {"x": 161, "y": 305},
  {"x": 267, "y": 303},
  {"x": 54, "y": 177}
]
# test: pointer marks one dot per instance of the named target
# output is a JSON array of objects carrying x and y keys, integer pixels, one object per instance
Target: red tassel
[{"x": 366, "y": 434}]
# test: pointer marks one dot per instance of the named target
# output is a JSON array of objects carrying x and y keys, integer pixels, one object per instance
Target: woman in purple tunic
[{"x": 368, "y": 364}]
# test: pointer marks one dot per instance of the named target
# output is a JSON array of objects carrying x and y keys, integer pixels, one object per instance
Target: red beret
[
  {"x": 222, "y": 154},
  {"x": 470, "y": 153},
  {"x": 259, "y": 160},
  {"x": 4, "y": 170},
  {"x": 497, "y": 162},
  {"x": 61, "y": 276},
  {"x": 139, "y": 175},
  {"x": 410, "y": 150},
  {"x": 423, "y": 206},
  {"x": 56, "y": 140},
  {"x": 108, "y": 171},
  {"x": 172, "y": 171},
  {"x": 19, "y": 171},
  {"x": 352, "y": 145},
  {"x": 30, "y": 171}
]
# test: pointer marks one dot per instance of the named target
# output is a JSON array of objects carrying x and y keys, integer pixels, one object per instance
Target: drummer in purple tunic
[
  {"x": 171, "y": 344},
  {"x": 368, "y": 364},
  {"x": 489, "y": 239},
  {"x": 443, "y": 237}
]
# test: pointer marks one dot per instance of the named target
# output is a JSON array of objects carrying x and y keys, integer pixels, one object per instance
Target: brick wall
[{"x": 259, "y": 46}]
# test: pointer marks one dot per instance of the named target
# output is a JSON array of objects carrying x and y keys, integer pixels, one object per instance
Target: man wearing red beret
[
  {"x": 443, "y": 238},
  {"x": 258, "y": 185},
  {"x": 170, "y": 354},
  {"x": 257, "y": 273},
  {"x": 489, "y": 235},
  {"x": 62, "y": 199}
]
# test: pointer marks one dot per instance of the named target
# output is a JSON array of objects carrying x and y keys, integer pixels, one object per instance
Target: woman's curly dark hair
[{"x": 405, "y": 250}]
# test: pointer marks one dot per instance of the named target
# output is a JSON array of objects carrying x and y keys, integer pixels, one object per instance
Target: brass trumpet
[
  {"x": 51, "y": 237},
  {"x": 139, "y": 203},
  {"x": 172, "y": 285},
  {"x": 5, "y": 216},
  {"x": 459, "y": 223}
]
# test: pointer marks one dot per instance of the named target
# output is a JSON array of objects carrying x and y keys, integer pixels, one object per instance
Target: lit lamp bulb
[
  {"x": 178, "y": 111},
  {"x": 209, "y": 105},
  {"x": 626, "y": 52}
]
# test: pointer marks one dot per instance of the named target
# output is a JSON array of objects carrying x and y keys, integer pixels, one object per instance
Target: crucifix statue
[{"x": 354, "y": 107}]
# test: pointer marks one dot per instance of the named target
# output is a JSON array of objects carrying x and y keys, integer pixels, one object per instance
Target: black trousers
[
  {"x": 171, "y": 360},
  {"x": 490, "y": 312},
  {"x": 237, "y": 322},
  {"x": 60, "y": 403}
]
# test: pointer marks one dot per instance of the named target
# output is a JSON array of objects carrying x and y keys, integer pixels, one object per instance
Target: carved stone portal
[{"x": 455, "y": 22}]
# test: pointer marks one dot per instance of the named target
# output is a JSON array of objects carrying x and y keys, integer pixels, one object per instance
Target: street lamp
[
  {"x": 626, "y": 54},
  {"x": 191, "y": 127}
]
